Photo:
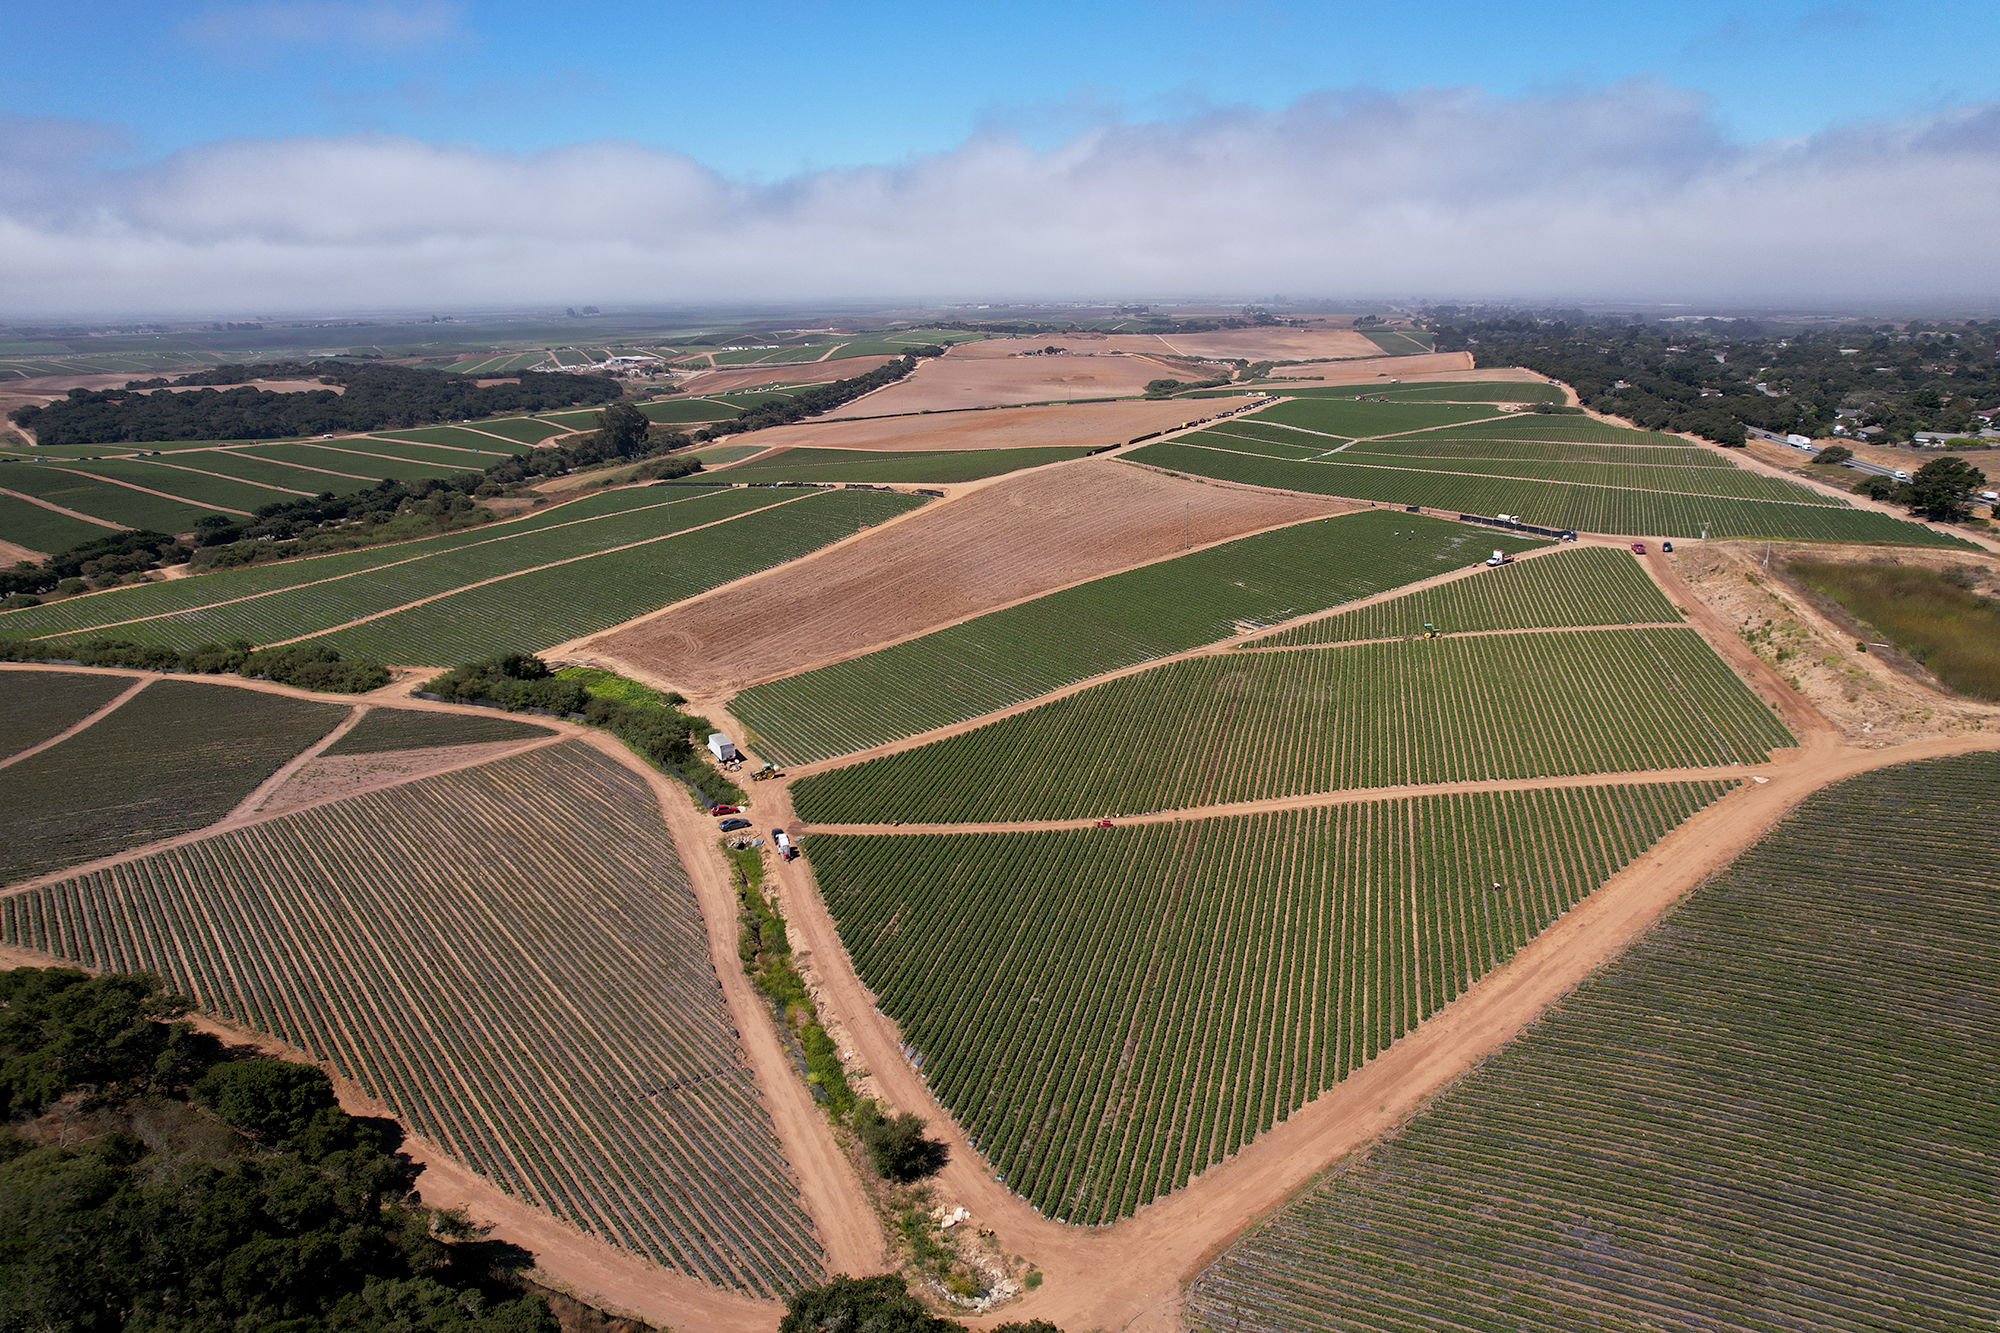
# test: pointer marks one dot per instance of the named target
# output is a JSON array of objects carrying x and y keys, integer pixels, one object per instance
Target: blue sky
[
  {"x": 766, "y": 90},
  {"x": 246, "y": 154}
]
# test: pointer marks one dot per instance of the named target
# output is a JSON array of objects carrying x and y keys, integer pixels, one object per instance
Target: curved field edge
[
  {"x": 1773, "y": 1113},
  {"x": 1109, "y": 1013},
  {"x": 534, "y": 994}
]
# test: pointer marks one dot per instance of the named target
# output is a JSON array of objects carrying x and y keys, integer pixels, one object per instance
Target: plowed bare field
[
  {"x": 1433, "y": 366},
  {"x": 811, "y": 372},
  {"x": 1272, "y": 344},
  {"x": 998, "y": 544},
  {"x": 991, "y": 380},
  {"x": 1087, "y": 424}
]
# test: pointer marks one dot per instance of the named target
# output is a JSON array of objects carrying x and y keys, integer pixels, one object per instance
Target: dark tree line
[
  {"x": 374, "y": 397},
  {"x": 260, "y": 1207},
  {"x": 307, "y": 666},
  {"x": 1715, "y": 378}
]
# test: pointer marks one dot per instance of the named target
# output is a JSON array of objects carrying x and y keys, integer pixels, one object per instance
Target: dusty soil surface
[
  {"x": 983, "y": 547},
  {"x": 810, "y": 372},
  {"x": 1087, "y": 425},
  {"x": 1273, "y": 344},
  {"x": 12, "y": 554},
  {"x": 338, "y": 777},
  {"x": 987, "y": 379},
  {"x": 1875, "y": 699},
  {"x": 1408, "y": 369}
]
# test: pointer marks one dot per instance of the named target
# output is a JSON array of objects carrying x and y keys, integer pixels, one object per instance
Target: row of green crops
[
  {"x": 185, "y": 598},
  {"x": 1255, "y": 726},
  {"x": 1431, "y": 445},
  {"x": 1585, "y": 508},
  {"x": 534, "y": 993},
  {"x": 1107, "y": 1013},
  {"x": 544, "y": 607},
  {"x": 295, "y": 611},
  {"x": 177, "y": 755},
  {"x": 1774, "y": 1112},
  {"x": 1012, "y": 655},
  {"x": 37, "y": 705},
  {"x": 73, "y": 488},
  {"x": 1574, "y": 586},
  {"x": 1564, "y": 429},
  {"x": 41, "y": 529}
]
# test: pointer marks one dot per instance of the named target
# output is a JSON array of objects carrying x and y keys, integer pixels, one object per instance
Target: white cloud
[
  {"x": 380, "y": 27},
  {"x": 1630, "y": 191}
]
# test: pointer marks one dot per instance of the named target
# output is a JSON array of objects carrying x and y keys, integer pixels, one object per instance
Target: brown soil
[
  {"x": 1408, "y": 369},
  {"x": 1874, "y": 699},
  {"x": 1273, "y": 344},
  {"x": 13, "y": 554},
  {"x": 338, "y": 777},
  {"x": 986, "y": 546},
  {"x": 1087, "y": 425},
  {"x": 988, "y": 380},
  {"x": 810, "y": 372}
]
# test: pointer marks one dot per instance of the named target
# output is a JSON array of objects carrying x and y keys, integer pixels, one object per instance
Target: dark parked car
[{"x": 731, "y": 825}]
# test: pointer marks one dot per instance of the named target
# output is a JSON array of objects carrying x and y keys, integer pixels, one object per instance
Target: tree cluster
[
  {"x": 1714, "y": 378},
  {"x": 374, "y": 397},
  {"x": 306, "y": 666},
  {"x": 897, "y": 1146},
  {"x": 264, "y": 1209},
  {"x": 881, "y": 1304},
  {"x": 813, "y": 401},
  {"x": 1942, "y": 490}
]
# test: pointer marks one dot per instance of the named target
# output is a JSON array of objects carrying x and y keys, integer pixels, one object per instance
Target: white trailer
[{"x": 722, "y": 747}]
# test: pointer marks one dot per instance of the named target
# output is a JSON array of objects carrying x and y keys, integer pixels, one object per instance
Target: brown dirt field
[
  {"x": 1430, "y": 366},
  {"x": 338, "y": 777},
  {"x": 1273, "y": 344},
  {"x": 986, "y": 546},
  {"x": 991, "y": 380},
  {"x": 810, "y": 372},
  {"x": 12, "y": 554},
  {"x": 1088, "y": 424}
]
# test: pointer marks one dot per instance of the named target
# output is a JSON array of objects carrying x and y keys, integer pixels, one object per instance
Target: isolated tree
[
  {"x": 1943, "y": 488},
  {"x": 622, "y": 428},
  {"x": 1833, "y": 453},
  {"x": 880, "y": 1304},
  {"x": 896, "y": 1144}
]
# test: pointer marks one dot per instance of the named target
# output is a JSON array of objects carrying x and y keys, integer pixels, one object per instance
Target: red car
[
  {"x": 1638, "y": 548},
  {"x": 725, "y": 810},
  {"x": 1102, "y": 823}
]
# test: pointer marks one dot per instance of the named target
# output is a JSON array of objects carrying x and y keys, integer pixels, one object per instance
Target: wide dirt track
[
  {"x": 986, "y": 546},
  {"x": 1075, "y": 424}
]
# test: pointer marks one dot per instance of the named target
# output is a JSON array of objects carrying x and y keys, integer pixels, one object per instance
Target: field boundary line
[
  {"x": 148, "y": 490},
  {"x": 533, "y": 569},
  {"x": 1213, "y": 648},
  {"x": 356, "y": 573},
  {"x": 268, "y": 788},
  {"x": 942, "y": 625},
  {"x": 66, "y": 513},
  {"x": 224, "y": 476},
  {"x": 1320, "y": 800},
  {"x": 82, "y": 724},
  {"x": 1110, "y": 1276},
  {"x": 1502, "y": 476}
]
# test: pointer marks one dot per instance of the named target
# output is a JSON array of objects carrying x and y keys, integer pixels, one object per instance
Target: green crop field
[
  {"x": 725, "y": 453},
  {"x": 539, "y": 609},
  {"x": 578, "y": 420},
  {"x": 1418, "y": 391},
  {"x": 1401, "y": 344},
  {"x": 35, "y": 705},
  {"x": 1562, "y": 429},
  {"x": 1256, "y": 726},
  {"x": 524, "y": 430},
  {"x": 370, "y": 588},
  {"x": 177, "y": 756},
  {"x": 438, "y": 459},
  {"x": 236, "y": 463},
  {"x": 534, "y": 993},
  {"x": 687, "y": 411},
  {"x": 100, "y": 499},
  {"x": 384, "y": 729},
  {"x": 348, "y": 459},
  {"x": 1585, "y": 508},
  {"x": 189, "y": 597},
  {"x": 1571, "y": 587},
  {"x": 1267, "y": 441},
  {"x": 1340, "y": 416},
  {"x": 866, "y": 465},
  {"x": 1431, "y": 444},
  {"x": 1109, "y": 1012},
  {"x": 1015, "y": 654},
  {"x": 1639, "y": 474},
  {"x": 1774, "y": 1112},
  {"x": 204, "y": 492},
  {"x": 40, "y": 529},
  {"x": 454, "y": 438}
]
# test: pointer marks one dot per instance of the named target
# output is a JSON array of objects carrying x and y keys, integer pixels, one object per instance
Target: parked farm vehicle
[
  {"x": 1102, "y": 823},
  {"x": 767, "y": 771},
  {"x": 1499, "y": 558},
  {"x": 786, "y": 847},
  {"x": 1638, "y": 548}
]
